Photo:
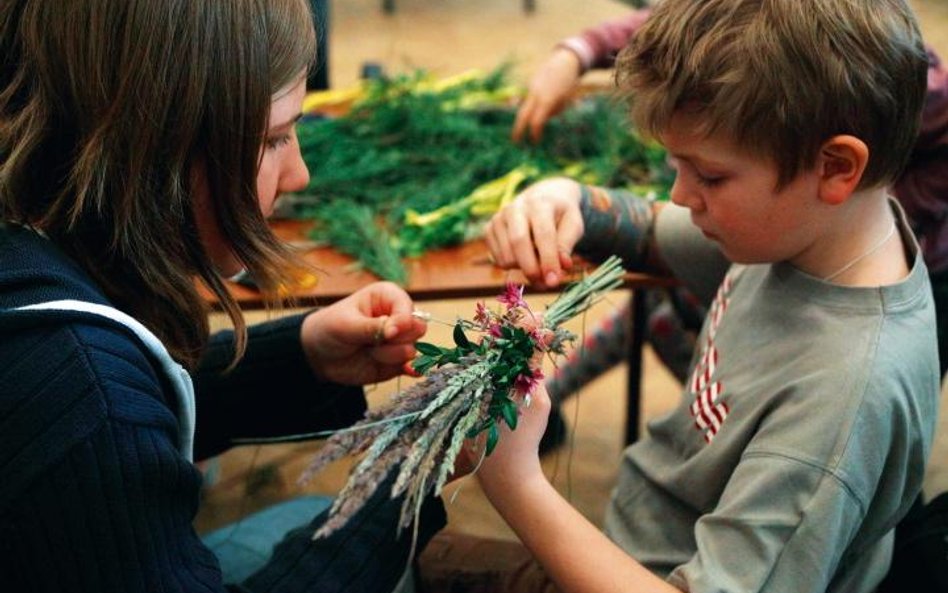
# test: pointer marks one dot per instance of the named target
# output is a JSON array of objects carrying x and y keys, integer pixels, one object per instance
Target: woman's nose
[{"x": 296, "y": 175}]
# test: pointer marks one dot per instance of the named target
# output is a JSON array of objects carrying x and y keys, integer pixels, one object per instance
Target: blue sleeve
[
  {"x": 271, "y": 392},
  {"x": 95, "y": 496},
  {"x": 97, "y": 499}
]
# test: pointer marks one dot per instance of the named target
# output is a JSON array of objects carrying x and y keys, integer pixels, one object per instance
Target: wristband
[{"x": 615, "y": 222}]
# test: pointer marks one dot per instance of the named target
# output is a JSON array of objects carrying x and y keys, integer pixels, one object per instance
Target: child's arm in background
[{"x": 554, "y": 82}]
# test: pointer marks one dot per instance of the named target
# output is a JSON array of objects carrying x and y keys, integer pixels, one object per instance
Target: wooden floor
[{"x": 446, "y": 37}]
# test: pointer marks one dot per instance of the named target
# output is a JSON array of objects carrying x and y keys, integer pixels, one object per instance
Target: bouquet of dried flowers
[{"x": 468, "y": 389}]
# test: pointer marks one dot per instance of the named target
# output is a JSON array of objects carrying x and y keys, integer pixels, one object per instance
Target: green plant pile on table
[{"x": 418, "y": 164}]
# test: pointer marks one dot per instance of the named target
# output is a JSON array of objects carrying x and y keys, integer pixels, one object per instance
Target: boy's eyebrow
[
  {"x": 690, "y": 158},
  {"x": 287, "y": 123}
]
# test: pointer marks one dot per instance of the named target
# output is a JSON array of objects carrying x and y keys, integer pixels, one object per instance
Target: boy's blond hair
[{"x": 780, "y": 77}]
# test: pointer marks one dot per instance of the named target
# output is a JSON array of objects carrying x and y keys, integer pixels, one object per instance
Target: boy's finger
[
  {"x": 521, "y": 242},
  {"x": 568, "y": 232},
  {"x": 545, "y": 239}
]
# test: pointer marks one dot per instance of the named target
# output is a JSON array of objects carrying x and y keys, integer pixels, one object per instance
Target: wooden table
[{"x": 458, "y": 272}]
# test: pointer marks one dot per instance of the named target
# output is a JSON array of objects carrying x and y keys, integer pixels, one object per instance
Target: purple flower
[{"x": 513, "y": 296}]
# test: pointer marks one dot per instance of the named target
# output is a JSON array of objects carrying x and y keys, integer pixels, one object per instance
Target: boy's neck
[{"x": 861, "y": 246}]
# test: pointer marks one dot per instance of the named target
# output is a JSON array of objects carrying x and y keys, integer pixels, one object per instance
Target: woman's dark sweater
[{"x": 94, "y": 494}]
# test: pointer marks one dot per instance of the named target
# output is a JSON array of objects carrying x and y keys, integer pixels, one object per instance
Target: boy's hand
[
  {"x": 364, "y": 338},
  {"x": 537, "y": 231},
  {"x": 515, "y": 461},
  {"x": 469, "y": 457}
]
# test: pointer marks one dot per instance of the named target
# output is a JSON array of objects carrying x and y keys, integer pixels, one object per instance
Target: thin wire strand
[
  {"x": 305, "y": 436},
  {"x": 575, "y": 424}
]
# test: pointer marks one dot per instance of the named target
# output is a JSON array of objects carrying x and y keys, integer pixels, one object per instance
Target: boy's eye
[
  {"x": 709, "y": 181},
  {"x": 706, "y": 179}
]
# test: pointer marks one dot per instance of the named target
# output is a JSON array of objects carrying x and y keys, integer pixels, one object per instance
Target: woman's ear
[{"x": 841, "y": 163}]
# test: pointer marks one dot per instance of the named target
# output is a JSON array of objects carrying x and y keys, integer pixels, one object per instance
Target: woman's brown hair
[{"x": 107, "y": 110}]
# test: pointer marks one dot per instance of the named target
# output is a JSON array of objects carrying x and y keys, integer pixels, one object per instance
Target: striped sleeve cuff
[{"x": 581, "y": 48}]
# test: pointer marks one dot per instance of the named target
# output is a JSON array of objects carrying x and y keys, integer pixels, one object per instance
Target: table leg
[{"x": 636, "y": 343}]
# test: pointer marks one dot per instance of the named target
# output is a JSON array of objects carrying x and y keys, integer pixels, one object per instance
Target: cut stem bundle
[{"x": 468, "y": 390}]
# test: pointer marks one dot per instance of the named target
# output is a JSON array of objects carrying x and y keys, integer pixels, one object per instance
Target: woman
[{"x": 142, "y": 145}]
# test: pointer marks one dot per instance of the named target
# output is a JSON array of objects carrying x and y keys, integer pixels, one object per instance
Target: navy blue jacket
[{"x": 94, "y": 495}]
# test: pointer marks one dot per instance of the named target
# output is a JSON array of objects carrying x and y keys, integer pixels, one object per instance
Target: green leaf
[
  {"x": 493, "y": 435},
  {"x": 502, "y": 383},
  {"x": 429, "y": 349},
  {"x": 479, "y": 428},
  {"x": 423, "y": 364},
  {"x": 460, "y": 339},
  {"x": 509, "y": 410}
]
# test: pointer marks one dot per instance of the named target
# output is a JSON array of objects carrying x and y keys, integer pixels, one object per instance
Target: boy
[{"x": 806, "y": 422}]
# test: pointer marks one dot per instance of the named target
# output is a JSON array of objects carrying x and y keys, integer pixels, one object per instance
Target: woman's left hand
[{"x": 365, "y": 338}]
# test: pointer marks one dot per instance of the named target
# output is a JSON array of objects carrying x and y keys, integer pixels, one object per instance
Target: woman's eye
[{"x": 278, "y": 141}]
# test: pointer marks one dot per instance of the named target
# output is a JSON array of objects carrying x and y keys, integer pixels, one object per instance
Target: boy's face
[{"x": 733, "y": 200}]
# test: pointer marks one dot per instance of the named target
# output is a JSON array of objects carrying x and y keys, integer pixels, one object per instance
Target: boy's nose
[{"x": 681, "y": 195}]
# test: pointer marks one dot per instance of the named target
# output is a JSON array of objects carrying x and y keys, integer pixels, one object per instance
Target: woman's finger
[{"x": 394, "y": 355}]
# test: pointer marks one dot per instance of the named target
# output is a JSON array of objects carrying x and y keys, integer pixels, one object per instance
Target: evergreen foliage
[{"x": 411, "y": 147}]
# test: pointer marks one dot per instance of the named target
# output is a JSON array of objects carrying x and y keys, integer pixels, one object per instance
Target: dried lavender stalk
[
  {"x": 364, "y": 433},
  {"x": 468, "y": 390}
]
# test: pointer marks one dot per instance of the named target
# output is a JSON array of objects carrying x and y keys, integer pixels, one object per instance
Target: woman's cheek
[{"x": 266, "y": 188}]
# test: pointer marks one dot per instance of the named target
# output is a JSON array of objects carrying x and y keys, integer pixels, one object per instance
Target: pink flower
[
  {"x": 525, "y": 384},
  {"x": 513, "y": 296},
  {"x": 495, "y": 331},
  {"x": 541, "y": 337},
  {"x": 481, "y": 314}
]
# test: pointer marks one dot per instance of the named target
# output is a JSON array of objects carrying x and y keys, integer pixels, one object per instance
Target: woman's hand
[
  {"x": 538, "y": 230},
  {"x": 365, "y": 338},
  {"x": 549, "y": 92}
]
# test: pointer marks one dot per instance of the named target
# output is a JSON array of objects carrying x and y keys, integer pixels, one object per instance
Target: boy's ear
[{"x": 841, "y": 163}]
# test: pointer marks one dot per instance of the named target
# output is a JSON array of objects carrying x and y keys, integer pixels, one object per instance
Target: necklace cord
[{"x": 863, "y": 256}]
